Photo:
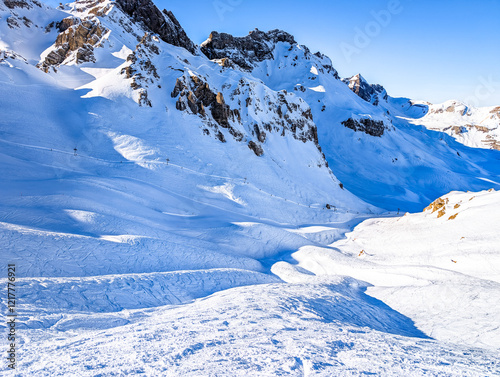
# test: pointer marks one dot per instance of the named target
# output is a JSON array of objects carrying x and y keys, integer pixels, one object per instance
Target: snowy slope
[
  {"x": 314, "y": 329},
  {"x": 95, "y": 185},
  {"x": 97, "y": 188},
  {"x": 441, "y": 268},
  {"x": 150, "y": 191},
  {"x": 376, "y": 152}
]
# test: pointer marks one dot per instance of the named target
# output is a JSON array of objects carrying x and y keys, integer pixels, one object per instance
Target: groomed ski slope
[
  {"x": 372, "y": 302},
  {"x": 322, "y": 328}
]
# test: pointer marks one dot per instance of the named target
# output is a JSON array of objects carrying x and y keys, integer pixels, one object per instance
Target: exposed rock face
[
  {"x": 246, "y": 110},
  {"x": 472, "y": 126},
  {"x": 439, "y": 205},
  {"x": 93, "y": 7},
  {"x": 4, "y": 55},
  {"x": 15, "y": 22},
  {"x": 495, "y": 111},
  {"x": 481, "y": 128},
  {"x": 285, "y": 113},
  {"x": 492, "y": 143},
  {"x": 141, "y": 70},
  {"x": 452, "y": 107},
  {"x": 456, "y": 129},
  {"x": 366, "y": 125},
  {"x": 245, "y": 53},
  {"x": 162, "y": 23},
  {"x": 226, "y": 63},
  {"x": 11, "y": 4},
  {"x": 370, "y": 93},
  {"x": 196, "y": 96},
  {"x": 255, "y": 47},
  {"x": 327, "y": 63},
  {"x": 14, "y": 19},
  {"x": 76, "y": 36},
  {"x": 256, "y": 148}
]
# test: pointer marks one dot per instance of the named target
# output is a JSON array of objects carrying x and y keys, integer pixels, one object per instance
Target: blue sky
[{"x": 431, "y": 50}]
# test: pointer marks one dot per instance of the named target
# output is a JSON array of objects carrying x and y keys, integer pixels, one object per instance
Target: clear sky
[{"x": 432, "y": 50}]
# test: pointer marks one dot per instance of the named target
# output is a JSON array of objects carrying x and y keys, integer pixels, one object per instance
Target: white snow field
[
  {"x": 441, "y": 268},
  {"x": 155, "y": 234}
]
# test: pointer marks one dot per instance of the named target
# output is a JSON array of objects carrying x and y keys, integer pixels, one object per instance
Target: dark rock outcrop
[
  {"x": 302, "y": 127},
  {"x": 6, "y": 54},
  {"x": 255, "y": 47},
  {"x": 370, "y": 93},
  {"x": 16, "y": 20},
  {"x": 256, "y": 148},
  {"x": 287, "y": 114},
  {"x": 76, "y": 35},
  {"x": 162, "y": 23},
  {"x": 492, "y": 143},
  {"x": 246, "y": 52},
  {"x": 438, "y": 205},
  {"x": 11, "y": 4},
  {"x": 141, "y": 70},
  {"x": 457, "y": 129},
  {"x": 196, "y": 95},
  {"x": 366, "y": 125}
]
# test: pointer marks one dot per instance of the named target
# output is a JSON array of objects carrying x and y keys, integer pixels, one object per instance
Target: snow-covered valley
[{"x": 233, "y": 208}]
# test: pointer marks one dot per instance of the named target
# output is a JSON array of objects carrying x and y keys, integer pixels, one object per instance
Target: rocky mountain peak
[
  {"x": 162, "y": 23},
  {"x": 28, "y": 4},
  {"x": 254, "y": 47},
  {"x": 370, "y": 93},
  {"x": 274, "y": 36},
  {"x": 84, "y": 30}
]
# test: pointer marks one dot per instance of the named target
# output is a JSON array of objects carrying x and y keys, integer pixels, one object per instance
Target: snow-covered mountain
[
  {"x": 370, "y": 93},
  {"x": 370, "y": 143},
  {"x": 474, "y": 127},
  {"x": 154, "y": 188},
  {"x": 471, "y": 126}
]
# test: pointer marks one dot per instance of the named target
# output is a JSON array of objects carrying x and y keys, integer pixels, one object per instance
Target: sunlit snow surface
[{"x": 155, "y": 250}]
